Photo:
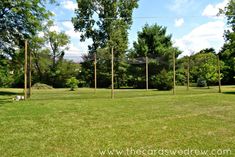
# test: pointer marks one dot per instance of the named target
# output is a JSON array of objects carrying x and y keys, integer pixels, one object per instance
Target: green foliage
[
  {"x": 15, "y": 65},
  {"x": 154, "y": 43},
  {"x": 201, "y": 82},
  {"x": 72, "y": 83},
  {"x": 107, "y": 21},
  {"x": 107, "y": 25},
  {"x": 164, "y": 80},
  {"x": 205, "y": 67},
  {"x": 6, "y": 75},
  {"x": 20, "y": 20},
  {"x": 58, "y": 42},
  {"x": 228, "y": 51},
  {"x": 49, "y": 65}
]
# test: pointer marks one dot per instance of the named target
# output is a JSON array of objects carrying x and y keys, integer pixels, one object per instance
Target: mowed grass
[{"x": 80, "y": 123}]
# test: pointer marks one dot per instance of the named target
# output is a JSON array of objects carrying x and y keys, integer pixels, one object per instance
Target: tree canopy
[
  {"x": 20, "y": 20},
  {"x": 154, "y": 43},
  {"x": 104, "y": 21},
  {"x": 227, "y": 53}
]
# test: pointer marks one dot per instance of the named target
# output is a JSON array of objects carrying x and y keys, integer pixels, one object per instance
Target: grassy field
[{"x": 136, "y": 123}]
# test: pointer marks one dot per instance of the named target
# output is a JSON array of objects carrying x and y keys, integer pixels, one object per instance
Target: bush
[
  {"x": 72, "y": 83},
  {"x": 41, "y": 86},
  {"x": 201, "y": 82},
  {"x": 164, "y": 80}
]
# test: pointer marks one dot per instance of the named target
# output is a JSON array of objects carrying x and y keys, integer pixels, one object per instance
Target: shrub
[
  {"x": 201, "y": 82},
  {"x": 72, "y": 83},
  {"x": 164, "y": 80},
  {"x": 41, "y": 86}
]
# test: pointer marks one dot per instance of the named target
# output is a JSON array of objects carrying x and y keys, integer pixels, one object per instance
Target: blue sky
[{"x": 192, "y": 23}]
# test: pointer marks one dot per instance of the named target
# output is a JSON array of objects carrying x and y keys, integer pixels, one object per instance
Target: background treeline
[{"x": 48, "y": 48}]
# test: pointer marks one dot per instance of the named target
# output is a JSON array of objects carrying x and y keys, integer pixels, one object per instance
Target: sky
[{"x": 193, "y": 24}]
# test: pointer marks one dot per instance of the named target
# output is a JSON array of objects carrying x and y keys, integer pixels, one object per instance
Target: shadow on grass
[
  {"x": 4, "y": 101},
  {"x": 8, "y": 93},
  {"x": 232, "y": 92},
  {"x": 202, "y": 88}
]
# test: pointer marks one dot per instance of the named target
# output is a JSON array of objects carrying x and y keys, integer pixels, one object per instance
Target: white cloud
[
  {"x": 179, "y": 22},
  {"x": 76, "y": 47},
  {"x": 70, "y": 5},
  {"x": 178, "y": 5},
  {"x": 73, "y": 51},
  {"x": 76, "y": 51},
  {"x": 204, "y": 36},
  {"x": 55, "y": 28},
  {"x": 213, "y": 10},
  {"x": 68, "y": 24},
  {"x": 41, "y": 34},
  {"x": 69, "y": 30}
]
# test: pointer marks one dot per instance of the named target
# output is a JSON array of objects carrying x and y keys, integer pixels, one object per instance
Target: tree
[
  {"x": 205, "y": 68},
  {"x": 40, "y": 58},
  {"x": 72, "y": 83},
  {"x": 100, "y": 19},
  {"x": 65, "y": 69},
  {"x": 49, "y": 65},
  {"x": 152, "y": 42},
  {"x": 227, "y": 53},
  {"x": 58, "y": 42},
  {"x": 6, "y": 76},
  {"x": 20, "y": 20},
  {"x": 106, "y": 23}
]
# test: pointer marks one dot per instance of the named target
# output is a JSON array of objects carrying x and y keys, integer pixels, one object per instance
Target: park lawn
[{"x": 80, "y": 123}]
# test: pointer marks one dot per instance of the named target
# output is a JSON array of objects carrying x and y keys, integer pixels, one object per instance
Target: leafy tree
[
  {"x": 49, "y": 65},
  {"x": 205, "y": 68},
  {"x": 100, "y": 20},
  {"x": 164, "y": 80},
  {"x": 58, "y": 42},
  {"x": 106, "y": 23},
  {"x": 72, "y": 83},
  {"x": 6, "y": 75},
  {"x": 40, "y": 59},
  {"x": 19, "y": 20},
  {"x": 227, "y": 53},
  {"x": 154, "y": 43},
  {"x": 201, "y": 82},
  {"x": 87, "y": 70},
  {"x": 13, "y": 69},
  {"x": 65, "y": 69}
]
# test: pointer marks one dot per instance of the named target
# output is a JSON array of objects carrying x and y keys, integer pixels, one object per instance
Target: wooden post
[
  {"x": 174, "y": 72},
  {"x": 112, "y": 89},
  {"x": 25, "y": 69},
  {"x": 219, "y": 79},
  {"x": 188, "y": 70},
  {"x": 146, "y": 69},
  {"x": 30, "y": 74},
  {"x": 95, "y": 72}
]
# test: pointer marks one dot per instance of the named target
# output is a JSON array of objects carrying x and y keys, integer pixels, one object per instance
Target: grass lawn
[{"x": 80, "y": 123}]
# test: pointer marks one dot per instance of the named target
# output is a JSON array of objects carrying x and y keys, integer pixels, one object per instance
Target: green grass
[{"x": 81, "y": 123}]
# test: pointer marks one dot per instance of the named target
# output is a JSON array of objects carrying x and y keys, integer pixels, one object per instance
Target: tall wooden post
[
  {"x": 95, "y": 72},
  {"x": 112, "y": 77},
  {"x": 174, "y": 72},
  {"x": 30, "y": 74},
  {"x": 188, "y": 70},
  {"x": 25, "y": 69},
  {"x": 147, "y": 79},
  {"x": 219, "y": 79}
]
